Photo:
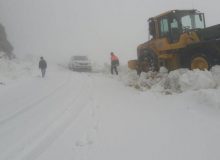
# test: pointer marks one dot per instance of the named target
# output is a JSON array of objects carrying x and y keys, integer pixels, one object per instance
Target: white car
[{"x": 80, "y": 63}]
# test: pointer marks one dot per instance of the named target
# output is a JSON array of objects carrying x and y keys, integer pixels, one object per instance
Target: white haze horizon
[{"x": 58, "y": 29}]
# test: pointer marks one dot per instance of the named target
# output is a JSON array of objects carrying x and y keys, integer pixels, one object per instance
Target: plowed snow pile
[
  {"x": 15, "y": 69},
  {"x": 176, "y": 81}
]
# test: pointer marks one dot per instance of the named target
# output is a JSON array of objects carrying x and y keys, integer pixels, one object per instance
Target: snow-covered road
[
  {"x": 35, "y": 112},
  {"x": 93, "y": 116}
]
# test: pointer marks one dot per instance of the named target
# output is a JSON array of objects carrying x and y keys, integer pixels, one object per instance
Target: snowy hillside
[
  {"x": 97, "y": 116},
  {"x": 16, "y": 69}
]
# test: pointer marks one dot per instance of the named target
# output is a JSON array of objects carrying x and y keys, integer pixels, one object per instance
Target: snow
[
  {"x": 95, "y": 116},
  {"x": 15, "y": 69},
  {"x": 180, "y": 80}
]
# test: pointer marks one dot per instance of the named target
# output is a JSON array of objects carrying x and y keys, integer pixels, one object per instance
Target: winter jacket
[
  {"x": 42, "y": 64},
  {"x": 114, "y": 60}
]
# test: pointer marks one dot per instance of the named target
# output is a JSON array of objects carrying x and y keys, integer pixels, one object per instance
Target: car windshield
[{"x": 80, "y": 58}]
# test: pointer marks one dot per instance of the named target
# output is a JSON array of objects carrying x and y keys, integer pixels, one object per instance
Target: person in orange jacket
[{"x": 114, "y": 63}]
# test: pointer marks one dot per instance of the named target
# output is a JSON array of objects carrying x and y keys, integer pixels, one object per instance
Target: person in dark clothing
[
  {"x": 43, "y": 66},
  {"x": 114, "y": 63}
]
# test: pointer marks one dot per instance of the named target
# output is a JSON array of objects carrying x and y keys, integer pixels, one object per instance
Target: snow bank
[
  {"x": 197, "y": 79},
  {"x": 15, "y": 69},
  {"x": 180, "y": 80},
  {"x": 216, "y": 74}
]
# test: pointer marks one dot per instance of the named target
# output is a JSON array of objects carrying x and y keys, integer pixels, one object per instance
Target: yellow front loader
[{"x": 178, "y": 39}]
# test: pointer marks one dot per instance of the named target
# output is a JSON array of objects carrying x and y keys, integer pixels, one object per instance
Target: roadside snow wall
[
  {"x": 176, "y": 81},
  {"x": 15, "y": 69}
]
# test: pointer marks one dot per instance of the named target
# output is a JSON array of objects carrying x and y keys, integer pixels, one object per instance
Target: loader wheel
[
  {"x": 150, "y": 61},
  {"x": 199, "y": 62}
]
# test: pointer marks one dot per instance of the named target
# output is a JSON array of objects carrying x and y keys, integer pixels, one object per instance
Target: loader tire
[
  {"x": 150, "y": 61},
  {"x": 200, "y": 61}
]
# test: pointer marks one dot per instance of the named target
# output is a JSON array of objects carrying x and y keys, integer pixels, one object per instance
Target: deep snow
[{"x": 95, "y": 116}]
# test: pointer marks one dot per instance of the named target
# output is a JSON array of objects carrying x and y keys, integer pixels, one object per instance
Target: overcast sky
[{"x": 58, "y": 29}]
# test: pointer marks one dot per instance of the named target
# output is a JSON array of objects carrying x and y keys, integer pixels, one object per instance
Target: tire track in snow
[
  {"x": 50, "y": 132},
  {"x": 86, "y": 142},
  {"x": 58, "y": 127},
  {"x": 32, "y": 105}
]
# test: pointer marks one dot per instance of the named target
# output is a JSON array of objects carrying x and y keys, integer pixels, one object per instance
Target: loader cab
[
  {"x": 173, "y": 23},
  {"x": 152, "y": 29}
]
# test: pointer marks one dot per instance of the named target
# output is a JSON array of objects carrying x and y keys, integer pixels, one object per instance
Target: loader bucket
[{"x": 133, "y": 64}]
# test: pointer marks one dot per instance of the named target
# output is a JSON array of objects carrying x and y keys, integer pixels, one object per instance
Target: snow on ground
[
  {"x": 95, "y": 116},
  {"x": 15, "y": 69},
  {"x": 180, "y": 80}
]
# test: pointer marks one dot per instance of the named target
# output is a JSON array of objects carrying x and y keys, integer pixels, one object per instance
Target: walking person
[
  {"x": 114, "y": 63},
  {"x": 42, "y": 66}
]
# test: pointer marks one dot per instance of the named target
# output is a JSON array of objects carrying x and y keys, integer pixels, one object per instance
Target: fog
[{"x": 58, "y": 29}]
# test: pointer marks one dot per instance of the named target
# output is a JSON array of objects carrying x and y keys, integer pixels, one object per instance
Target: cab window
[
  {"x": 199, "y": 21},
  {"x": 164, "y": 27},
  {"x": 174, "y": 23},
  {"x": 186, "y": 22},
  {"x": 175, "y": 31}
]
